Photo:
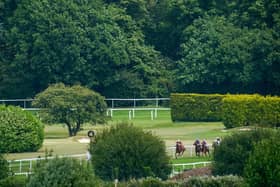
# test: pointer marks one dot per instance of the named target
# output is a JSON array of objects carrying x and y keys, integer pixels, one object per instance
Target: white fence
[
  {"x": 112, "y": 102},
  {"x": 25, "y": 166},
  {"x": 180, "y": 168}
]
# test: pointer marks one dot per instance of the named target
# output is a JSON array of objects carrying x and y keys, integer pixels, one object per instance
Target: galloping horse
[
  {"x": 205, "y": 149},
  {"x": 198, "y": 148},
  {"x": 180, "y": 149}
]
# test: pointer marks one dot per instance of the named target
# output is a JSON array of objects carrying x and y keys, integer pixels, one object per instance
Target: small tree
[
  {"x": 72, "y": 106},
  {"x": 263, "y": 166},
  {"x": 126, "y": 152}
]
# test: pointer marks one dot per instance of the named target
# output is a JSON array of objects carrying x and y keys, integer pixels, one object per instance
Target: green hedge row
[
  {"x": 196, "y": 107},
  {"x": 242, "y": 110},
  {"x": 233, "y": 110}
]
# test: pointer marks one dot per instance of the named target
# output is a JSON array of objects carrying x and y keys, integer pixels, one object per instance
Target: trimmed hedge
[
  {"x": 242, "y": 110},
  {"x": 20, "y": 131},
  {"x": 196, "y": 107},
  {"x": 233, "y": 110}
]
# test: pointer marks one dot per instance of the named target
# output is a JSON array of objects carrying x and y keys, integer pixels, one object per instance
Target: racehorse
[
  {"x": 197, "y": 149},
  {"x": 205, "y": 149},
  {"x": 180, "y": 149}
]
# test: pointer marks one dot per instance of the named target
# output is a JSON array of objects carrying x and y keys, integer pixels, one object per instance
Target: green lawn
[{"x": 56, "y": 136}]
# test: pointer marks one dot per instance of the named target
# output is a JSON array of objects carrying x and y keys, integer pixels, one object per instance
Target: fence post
[
  {"x": 30, "y": 166},
  {"x": 20, "y": 166},
  {"x": 152, "y": 115},
  {"x": 129, "y": 115}
]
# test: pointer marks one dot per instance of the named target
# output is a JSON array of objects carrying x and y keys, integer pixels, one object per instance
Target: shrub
[
  {"x": 3, "y": 167},
  {"x": 14, "y": 181},
  {"x": 220, "y": 181},
  {"x": 63, "y": 172},
  {"x": 263, "y": 166},
  {"x": 20, "y": 131},
  {"x": 125, "y": 152},
  {"x": 196, "y": 107},
  {"x": 230, "y": 157}
]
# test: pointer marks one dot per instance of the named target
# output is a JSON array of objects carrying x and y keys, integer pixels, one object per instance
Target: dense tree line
[{"x": 140, "y": 48}]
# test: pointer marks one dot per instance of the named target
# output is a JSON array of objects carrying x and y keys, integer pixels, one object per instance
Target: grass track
[{"x": 56, "y": 136}]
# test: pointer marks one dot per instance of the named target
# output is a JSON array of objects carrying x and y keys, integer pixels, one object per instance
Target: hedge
[
  {"x": 232, "y": 110},
  {"x": 196, "y": 107},
  {"x": 242, "y": 110},
  {"x": 20, "y": 131}
]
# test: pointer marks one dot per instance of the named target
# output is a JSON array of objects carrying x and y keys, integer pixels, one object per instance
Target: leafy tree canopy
[{"x": 72, "y": 106}]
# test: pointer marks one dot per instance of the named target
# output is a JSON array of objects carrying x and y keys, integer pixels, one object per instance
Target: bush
[
  {"x": 220, "y": 181},
  {"x": 230, "y": 157},
  {"x": 20, "y": 131},
  {"x": 63, "y": 172},
  {"x": 4, "y": 169},
  {"x": 126, "y": 152},
  {"x": 196, "y": 107},
  {"x": 14, "y": 181},
  {"x": 263, "y": 166}
]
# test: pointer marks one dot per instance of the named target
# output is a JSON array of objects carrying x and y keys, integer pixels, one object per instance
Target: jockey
[
  {"x": 218, "y": 141},
  {"x": 204, "y": 143},
  {"x": 178, "y": 142},
  {"x": 197, "y": 142}
]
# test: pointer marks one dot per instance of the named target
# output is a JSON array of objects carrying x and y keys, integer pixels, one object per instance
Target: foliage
[
  {"x": 3, "y": 167},
  {"x": 196, "y": 107},
  {"x": 72, "y": 106},
  {"x": 20, "y": 131},
  {"x": 63, "y": 172},
  {"x": 242, "y": 110},
  {"x": 84, "y": 42},
  {"x": 263, "y": 166},
  {"x": 126, "y": 152},
  {"x": 130, "y": 48},
  {"x": 232, "y": 154},
  {"x": 14, "y": 181},
  {"x": 218, "y": 56},
  {"x": 205, "y": 181},
  {"x": 219, "y": 181}
]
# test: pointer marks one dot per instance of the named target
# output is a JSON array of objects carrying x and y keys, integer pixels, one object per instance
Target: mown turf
[{"x": 56, "y": 136}]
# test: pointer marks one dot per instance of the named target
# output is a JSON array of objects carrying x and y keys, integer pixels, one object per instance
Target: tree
[
  {"x": 20, "y": 131},
  {"x": 126, "y": 152},
  {"x": 232, "y": 154},
  {"x": 219, "y": 56},
  {"x": 76, "y": 42},
  {"x": 263, "y": 165},
  {"x": 72, "y": 106},
  {"x": 63, "y": 172}
]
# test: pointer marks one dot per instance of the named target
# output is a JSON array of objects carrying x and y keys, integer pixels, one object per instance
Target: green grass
[{"x": 56, "y": 136}]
